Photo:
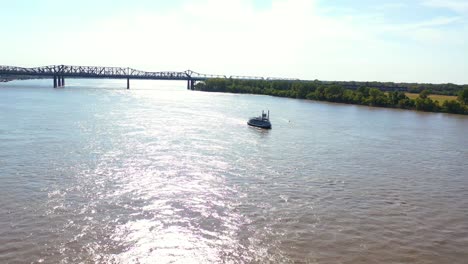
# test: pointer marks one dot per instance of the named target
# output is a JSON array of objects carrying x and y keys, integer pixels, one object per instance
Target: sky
[{"x": 350, "y": 40}]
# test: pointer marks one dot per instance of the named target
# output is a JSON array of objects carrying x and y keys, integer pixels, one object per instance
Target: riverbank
[
  {"x": 337, "y": 93},
  {"x": 9, "y": 78}
]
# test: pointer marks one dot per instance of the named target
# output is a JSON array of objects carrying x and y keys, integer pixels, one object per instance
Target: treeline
[
  {"x": 337, "y": 93},
  {"x": 442, "y": 89}
]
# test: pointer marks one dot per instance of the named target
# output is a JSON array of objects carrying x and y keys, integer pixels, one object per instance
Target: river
[{"x": 158, "y": 174}]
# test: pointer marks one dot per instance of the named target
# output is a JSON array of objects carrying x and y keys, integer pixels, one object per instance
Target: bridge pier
[
  {"x": 63, "y": 81},
  {"x": 128, "y": 83},
  {"x": 55, "y": 81},
  {"x": 190, "y": 84},
  {"x": 59, "y": 81}
]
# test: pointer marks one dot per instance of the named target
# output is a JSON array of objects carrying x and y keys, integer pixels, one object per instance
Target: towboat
[{"x": 262, "y": 121}]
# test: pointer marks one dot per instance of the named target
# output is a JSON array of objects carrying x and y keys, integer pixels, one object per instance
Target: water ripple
[{"x": 171, "y": 176}]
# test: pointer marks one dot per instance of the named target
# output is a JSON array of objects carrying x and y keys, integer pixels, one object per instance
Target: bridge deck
[{"x": 59, "y": 72}]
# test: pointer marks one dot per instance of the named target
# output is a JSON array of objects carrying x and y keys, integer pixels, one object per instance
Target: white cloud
[
  {"x": 438, "y": 21},
  {"x": 391, "y": 6},
  {"x": 459, "y": 6},
  {"x": 433, "y": 31}
]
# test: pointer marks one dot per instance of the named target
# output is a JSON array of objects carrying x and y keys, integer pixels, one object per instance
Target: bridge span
[{"x": 59, "y": 72}]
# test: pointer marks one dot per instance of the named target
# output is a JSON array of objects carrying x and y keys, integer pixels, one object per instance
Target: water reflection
[{"x": 165, "y": 176}]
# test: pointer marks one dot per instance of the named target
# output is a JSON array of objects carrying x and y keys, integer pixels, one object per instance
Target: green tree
[
  {"x": 426, "y": 104},
  {"x": 405, "y": 103},
  {"x": 320, "y": 93},
  {"x": 463, "y": 96},
  {"x": 334, "y": 93},
  {"x": 424, "y": 94},
  {"x": 364, "y": 91},
  {"x": 348, "y": 96},
  {"x": 358, "y": 98},
  {"x": 311, "y": 96},
  {"x": 201, "y": 86},
  {"x": 377, "y": 97},
  {"x": 396, "y": 97},
  {"x": 300, "y": 90},
  {"x": 452, "y": 106}
]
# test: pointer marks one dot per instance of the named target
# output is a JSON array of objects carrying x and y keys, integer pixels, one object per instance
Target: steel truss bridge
[{"x": 59, "y": 72}]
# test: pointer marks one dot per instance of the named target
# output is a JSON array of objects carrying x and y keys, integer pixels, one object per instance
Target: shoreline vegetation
[
  {"x": 8, "y": 78},
  {"x": 453, "y": 98}
]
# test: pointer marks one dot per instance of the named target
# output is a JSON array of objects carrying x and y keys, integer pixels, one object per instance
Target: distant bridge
[{"x": 59, "y": 72}]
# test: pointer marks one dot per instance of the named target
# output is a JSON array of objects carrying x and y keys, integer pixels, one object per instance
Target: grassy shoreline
[{"x": 338, "y": 94}]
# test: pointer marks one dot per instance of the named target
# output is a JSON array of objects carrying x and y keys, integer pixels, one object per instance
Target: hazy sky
[{"x": 387, "y": 40}]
